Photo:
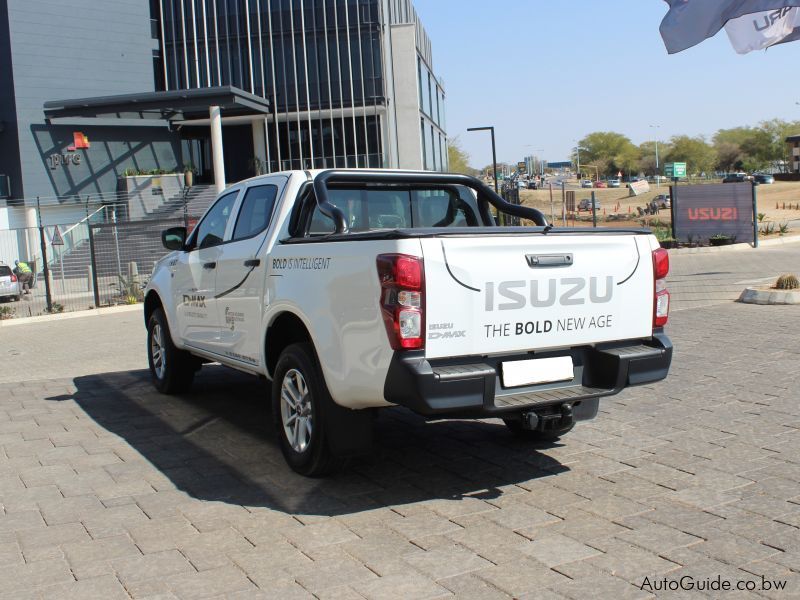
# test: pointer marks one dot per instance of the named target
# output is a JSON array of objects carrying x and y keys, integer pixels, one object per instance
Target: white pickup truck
[{"x": 353, "y": 290}]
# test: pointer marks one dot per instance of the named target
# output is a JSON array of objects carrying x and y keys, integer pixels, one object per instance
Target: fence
[
  {"x": 122, "y": 257},
  {"x": 93, "y": 256}
]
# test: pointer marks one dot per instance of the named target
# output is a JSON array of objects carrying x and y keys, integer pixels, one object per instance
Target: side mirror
[{"x": 174, "y": 238}]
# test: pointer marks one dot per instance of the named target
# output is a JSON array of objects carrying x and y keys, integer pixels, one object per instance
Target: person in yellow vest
[{"x": 24, "y": 274}]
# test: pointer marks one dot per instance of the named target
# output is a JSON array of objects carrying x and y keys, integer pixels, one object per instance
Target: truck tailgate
[{"x": 496, "y": 294}]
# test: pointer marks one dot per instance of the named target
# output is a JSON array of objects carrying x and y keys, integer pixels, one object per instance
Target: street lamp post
[
  {"x": 658, "y": 174},
  {"x": 494, "y": 153}
]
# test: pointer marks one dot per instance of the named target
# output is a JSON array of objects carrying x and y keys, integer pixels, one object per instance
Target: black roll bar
[{"x": 364, "y": 176}]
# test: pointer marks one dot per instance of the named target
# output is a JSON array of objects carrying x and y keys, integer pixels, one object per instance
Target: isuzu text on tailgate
[{"x": 355, "y": 290}]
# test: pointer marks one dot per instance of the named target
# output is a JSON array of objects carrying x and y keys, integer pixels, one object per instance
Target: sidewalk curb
[
  {"x": 96, "y": 312},
  {"x": 737, "y": 247}
]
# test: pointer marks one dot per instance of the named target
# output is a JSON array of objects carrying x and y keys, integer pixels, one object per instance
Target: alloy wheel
[
  {"x": 157, "y": 351},
  {"x": 296, "y": 410}
]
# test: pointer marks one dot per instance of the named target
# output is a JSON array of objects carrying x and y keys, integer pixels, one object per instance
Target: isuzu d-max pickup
[{"x": 353, "y": 290}]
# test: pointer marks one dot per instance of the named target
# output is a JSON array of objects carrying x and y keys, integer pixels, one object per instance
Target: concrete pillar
[
  {"x": 260, "y": 145},
  {"x": 216, "y": 148}
]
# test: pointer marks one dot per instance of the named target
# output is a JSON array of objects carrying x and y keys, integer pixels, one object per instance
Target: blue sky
[{"x": 547, "y": 73}]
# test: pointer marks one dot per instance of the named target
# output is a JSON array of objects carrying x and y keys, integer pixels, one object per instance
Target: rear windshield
[
  {"x": 375, "y": 208},
  {"x": 5, "y": 271}
]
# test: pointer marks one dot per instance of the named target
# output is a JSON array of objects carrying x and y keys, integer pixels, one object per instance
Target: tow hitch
[{"x": 559, "y": 417}]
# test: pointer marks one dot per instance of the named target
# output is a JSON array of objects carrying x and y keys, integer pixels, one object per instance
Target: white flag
[{"x": 762, "y": 29}]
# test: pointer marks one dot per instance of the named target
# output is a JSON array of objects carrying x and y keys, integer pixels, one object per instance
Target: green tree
[
  {"x": 729, "y": 156},
  {"x": 458, "y": 159},
  {"x": 778, "y": 130},
  {"x": 699, "y": 155},
  {"x": 610, "y": 151},
  {"x": 755, "y": 145}
]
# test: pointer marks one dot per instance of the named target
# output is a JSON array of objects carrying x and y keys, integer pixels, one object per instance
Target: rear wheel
[
  {"x": 172, "y": 369},
  {"x": 300, "y": 403}
]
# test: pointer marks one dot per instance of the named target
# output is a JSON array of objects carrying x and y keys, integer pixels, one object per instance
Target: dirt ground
[{"x": 616, "y": 201}]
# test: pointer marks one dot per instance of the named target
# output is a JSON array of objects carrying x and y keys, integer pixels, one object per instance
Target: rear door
[
  {"x": 241, "y": 269},
  {"x": 490, "y": 294}
]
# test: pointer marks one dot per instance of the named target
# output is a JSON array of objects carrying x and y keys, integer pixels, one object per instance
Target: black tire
[
  {"x": 308, "y": 452},
  {"x": 515, "y": 427},
  {"x": 173, "y": 369}
]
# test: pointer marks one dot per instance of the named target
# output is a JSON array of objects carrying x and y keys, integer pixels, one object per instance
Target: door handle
[
  {"x": 253, "y": 262},
  {"x": 210, "y": 265}
]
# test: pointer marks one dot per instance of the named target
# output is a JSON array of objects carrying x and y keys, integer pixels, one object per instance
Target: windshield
[{"x": 374, "y": 208}]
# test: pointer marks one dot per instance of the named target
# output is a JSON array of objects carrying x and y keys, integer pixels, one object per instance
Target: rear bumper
[{"x": 472, "y": 387}]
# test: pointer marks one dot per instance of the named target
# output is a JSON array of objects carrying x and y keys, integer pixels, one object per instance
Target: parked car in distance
[
  {"x": 600, "y": 184},
  {"x": 9, "y": 284},
  {"x": 532, "y": 185},
  {"x": 586, "y": 183},
  {"x": 662, "y": 201},
  {"x": 613, "y": 183},
  {"x": 586, "y": 204},
  {"x": 763, "y": 178},
  {"x": 735, "y": 178}
]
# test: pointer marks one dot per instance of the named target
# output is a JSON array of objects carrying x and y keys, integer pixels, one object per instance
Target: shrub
[{"x": 787, "y": 282}]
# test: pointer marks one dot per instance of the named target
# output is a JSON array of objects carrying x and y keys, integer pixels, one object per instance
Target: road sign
[
  {"x": 522, "y": 168},
  {"x": 675, "y": 170},
  {"x": 57, "y": 239}
]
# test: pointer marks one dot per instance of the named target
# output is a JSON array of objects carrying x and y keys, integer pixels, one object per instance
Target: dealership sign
[
  {"x": 675, "y": 170},
  {"x": 70, "y": 157},
  {"x": 703, "y": 211}
]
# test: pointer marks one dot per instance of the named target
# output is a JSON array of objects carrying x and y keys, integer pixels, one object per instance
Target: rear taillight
[
  {"x": 402, "y": 300},
  {"x": 661, "y": 297},
  {"x": 13, "y": 278}
]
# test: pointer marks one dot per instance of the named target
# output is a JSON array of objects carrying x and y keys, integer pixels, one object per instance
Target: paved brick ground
[{"x": 109, "y": 490}]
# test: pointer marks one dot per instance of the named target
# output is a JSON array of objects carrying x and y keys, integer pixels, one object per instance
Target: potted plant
[
  {"x": 721, "y": 239},
  {"x": 188, "y": 174}
]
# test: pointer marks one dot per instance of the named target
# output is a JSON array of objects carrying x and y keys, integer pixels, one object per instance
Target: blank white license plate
[{"x": 537, "y": 370}]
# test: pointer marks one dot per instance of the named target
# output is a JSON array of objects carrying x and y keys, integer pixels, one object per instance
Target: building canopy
[{"x": 176, "y": 105}]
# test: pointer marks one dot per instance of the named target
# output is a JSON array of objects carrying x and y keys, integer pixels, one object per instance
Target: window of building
[
  {"x": 422, "y": 142},
  {"x": 437, "y": 160},
  {"x": 419, "y": 83},
  {"x": 429, "y": 104}
]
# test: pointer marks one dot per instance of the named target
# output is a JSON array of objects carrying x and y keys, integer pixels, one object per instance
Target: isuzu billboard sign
[{"x": 703, "y": 211}]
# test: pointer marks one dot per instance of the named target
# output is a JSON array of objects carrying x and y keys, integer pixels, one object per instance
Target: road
[{"x": 111, "y": 490}]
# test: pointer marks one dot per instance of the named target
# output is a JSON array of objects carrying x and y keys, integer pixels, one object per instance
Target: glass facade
[
  {"x": 431, "y": 105},
  {"x": 318, "y": 62},
  {"x": 305, "y": 56}
]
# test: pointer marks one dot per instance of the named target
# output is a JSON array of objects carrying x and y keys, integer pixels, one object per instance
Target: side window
[
  {"x": 256, "y": 211},
  {"x": 211, "y": 230}
]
